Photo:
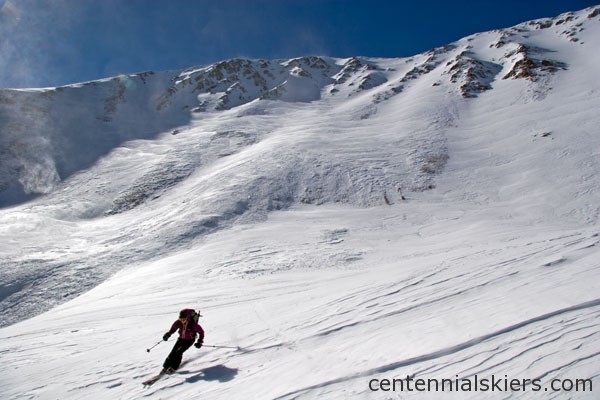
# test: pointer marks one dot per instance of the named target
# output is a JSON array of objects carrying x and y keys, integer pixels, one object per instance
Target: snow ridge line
[{"x": 446, "y": 351}]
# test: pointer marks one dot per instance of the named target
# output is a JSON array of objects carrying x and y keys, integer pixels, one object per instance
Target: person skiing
[{"x": 188, "y": 327}]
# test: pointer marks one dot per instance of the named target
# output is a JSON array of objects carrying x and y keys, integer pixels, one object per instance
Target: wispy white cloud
[
  {"x": 32, "y": 45},
  {"x": 63, "y": 41}
]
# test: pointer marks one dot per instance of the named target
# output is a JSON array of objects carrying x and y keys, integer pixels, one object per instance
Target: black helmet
[{"x": 189, "y": 313}]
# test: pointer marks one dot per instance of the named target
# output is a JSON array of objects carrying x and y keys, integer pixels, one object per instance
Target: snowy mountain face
[{"x": 341, "y": 220}]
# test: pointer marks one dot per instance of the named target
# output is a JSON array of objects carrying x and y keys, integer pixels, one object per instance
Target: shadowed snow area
[{"x": 338, "y": 220}]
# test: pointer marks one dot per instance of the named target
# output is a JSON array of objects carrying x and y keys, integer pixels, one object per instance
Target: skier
[{"x": 188, "y": 327}]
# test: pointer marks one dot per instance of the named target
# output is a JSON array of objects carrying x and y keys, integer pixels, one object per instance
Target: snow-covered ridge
[
  {"x": 69, "y": 128},
  {"x": 357, "y": 131},
  {"x": 434, "y": 216}
]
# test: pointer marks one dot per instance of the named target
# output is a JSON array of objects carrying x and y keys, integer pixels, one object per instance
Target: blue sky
[{"x": 56, "y": 42}]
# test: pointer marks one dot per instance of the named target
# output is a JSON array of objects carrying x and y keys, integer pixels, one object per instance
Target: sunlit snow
[{"x": 339, "y": 220}]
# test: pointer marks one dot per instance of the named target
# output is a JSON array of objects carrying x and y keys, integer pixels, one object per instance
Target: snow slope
[{"x": 340, "y": 220}]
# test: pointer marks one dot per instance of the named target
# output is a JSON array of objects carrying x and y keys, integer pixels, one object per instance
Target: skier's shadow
[{"x": 217, "y": 373}]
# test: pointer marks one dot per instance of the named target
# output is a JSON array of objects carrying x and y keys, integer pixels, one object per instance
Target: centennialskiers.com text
[{"x": 479, "y": 384}]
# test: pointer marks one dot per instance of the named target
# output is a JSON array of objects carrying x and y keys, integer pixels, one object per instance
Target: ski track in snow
[{"x": 338, "y": 220}]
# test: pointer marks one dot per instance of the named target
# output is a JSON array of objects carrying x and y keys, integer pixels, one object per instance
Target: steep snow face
[
  {"x": 69, "y": 128},
  {"x": 435, "y": 215},
  {"x": 50, "y": 134}
]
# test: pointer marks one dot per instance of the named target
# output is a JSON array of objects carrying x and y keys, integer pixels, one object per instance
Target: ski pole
[
  {"x": 157, "y": 343},
  {"x": 221, "y": 347}
]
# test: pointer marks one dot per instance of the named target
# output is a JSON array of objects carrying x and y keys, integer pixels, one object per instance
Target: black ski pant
[{"x": 174, "y": 358}]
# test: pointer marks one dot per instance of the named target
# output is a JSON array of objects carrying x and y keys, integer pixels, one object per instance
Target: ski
[
  {"x": 153, "y": 380},
  {"x": 162, "y": 373}
]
